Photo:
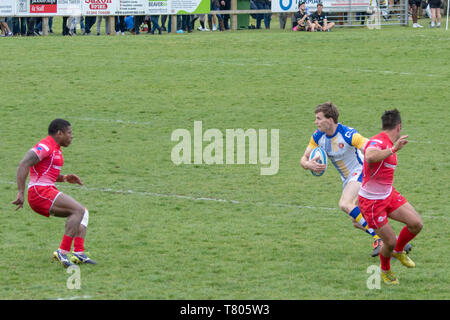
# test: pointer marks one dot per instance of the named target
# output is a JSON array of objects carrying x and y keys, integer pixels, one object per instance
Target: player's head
[
  {"x": 61, "y": 131},
  {"x": 327, "y": 116},
  {"x": 319, "y": 7},
  {"x": 391, "y": 120},
  {"x": 302, "y": 5}
]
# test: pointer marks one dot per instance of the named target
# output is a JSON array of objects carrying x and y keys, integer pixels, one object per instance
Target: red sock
[
  {"x": 78, "y": 245},
  {"x": 385, "y": 263},
  {"x": 404, "y": 237},
  {"x": 66, "y": 243}
]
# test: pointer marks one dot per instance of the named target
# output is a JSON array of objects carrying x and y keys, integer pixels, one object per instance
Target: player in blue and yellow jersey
[{"x": 344, "y": 147}]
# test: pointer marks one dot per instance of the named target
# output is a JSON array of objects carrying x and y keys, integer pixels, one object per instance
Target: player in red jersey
[
  {"x": 44, "y": 162},
  {"x": 379, "y": 200}
]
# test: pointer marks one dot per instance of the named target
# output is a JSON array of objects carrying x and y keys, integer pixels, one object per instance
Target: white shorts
[{"x": 354, "y": 176}]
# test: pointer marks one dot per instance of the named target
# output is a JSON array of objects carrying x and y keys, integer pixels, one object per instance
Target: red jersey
[
  {"x": 47, "y": 170},
  {"x": 378, "y": 176}
]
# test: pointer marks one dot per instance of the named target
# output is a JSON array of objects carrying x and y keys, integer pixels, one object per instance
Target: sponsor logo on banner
[
  {"x": 43, "y": 6},
  {"x": 98, "y": 4}
]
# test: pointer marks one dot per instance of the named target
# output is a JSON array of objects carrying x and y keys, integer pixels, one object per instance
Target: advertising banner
[
  {"x": 328, "y": 5},
  {"x": 157, "y": 7},
  {"x": 189, "y": 6},
  {"x": 69, "y": 8},
  {"x": 43, "y": 6},
  {"x": 26, "y": 8},
  {"x": 7, "y": 8}
]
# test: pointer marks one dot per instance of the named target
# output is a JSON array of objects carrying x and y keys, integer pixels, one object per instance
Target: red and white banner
[{"x": 43, "y": 6}]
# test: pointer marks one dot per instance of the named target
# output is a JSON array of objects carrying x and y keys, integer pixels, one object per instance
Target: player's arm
[
  {"x": 71, "y": 178},
  {"x": 374, "y": 154},
  {"x": 29, "y": 160},
  {"x": 311, "y": 164}
]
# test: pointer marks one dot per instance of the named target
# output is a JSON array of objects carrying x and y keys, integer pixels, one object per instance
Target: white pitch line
[
  {"x": 184, "y": 197},
  {"x": 113, "y": 121},
  {"x": 192, "y": 198}
]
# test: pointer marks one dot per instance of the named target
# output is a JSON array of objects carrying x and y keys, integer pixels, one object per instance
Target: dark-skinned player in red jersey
[{"x": 44, "y": 163}]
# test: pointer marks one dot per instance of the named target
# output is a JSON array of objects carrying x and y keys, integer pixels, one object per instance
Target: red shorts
[
  {"x": 41, "y": 198},
  {"x": 376, "y": 211}
]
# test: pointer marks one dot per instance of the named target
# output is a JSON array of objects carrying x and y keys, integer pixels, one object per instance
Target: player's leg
[
  {"x": 413, "y": 225},
  {"x": 349, "y": 204},
  {"x": 79, "y": 256},
  {"x": 76, "y": 224},
  {"x": 388, "y": 236}
]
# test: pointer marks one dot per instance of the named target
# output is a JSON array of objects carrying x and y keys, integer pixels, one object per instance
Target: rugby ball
[{"x": 322, "y": 159}]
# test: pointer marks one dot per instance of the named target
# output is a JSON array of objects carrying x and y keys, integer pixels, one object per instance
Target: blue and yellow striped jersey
[{"x": 342, "y": 148}]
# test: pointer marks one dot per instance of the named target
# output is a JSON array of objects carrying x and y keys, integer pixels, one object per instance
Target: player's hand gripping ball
[{"x": 320, "y": 156}]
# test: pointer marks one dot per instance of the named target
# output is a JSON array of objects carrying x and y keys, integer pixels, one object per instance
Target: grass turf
[{"x": 283, "y": 237}]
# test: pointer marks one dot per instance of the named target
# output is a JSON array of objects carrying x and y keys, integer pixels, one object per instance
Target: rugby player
[
  {"x": 379, "y": 200},
  {"x": 343, "y": 146},
  {"x": 44, "y": 163}
]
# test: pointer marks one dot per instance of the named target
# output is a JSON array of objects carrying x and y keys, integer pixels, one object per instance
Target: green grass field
[{"x": 155, "y": 228}]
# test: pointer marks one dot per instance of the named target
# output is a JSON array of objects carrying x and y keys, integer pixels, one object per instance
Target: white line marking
[
  {"x": 192, "y": 198},
  {"x": 113, "y": 121}
]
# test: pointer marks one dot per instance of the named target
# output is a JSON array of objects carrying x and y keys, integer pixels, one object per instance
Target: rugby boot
[
  {"x": 80, "y": 258},
  {"x": 62, "y": 258},
  {"x": 376, "y": 247},
  {"x": 404, "y": 259},
  {"x": 388, "y": 277},
  {"x": 407, "y": 248}
]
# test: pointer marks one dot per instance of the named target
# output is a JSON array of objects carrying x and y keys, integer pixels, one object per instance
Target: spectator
[
  {"x": 320, "y": 19},
  {"x": 65, "y": 27},
  {"x": 225, "y": 5},
  {"x": 31, "y": 22},
  {"x": 301, "y": 21},
  {"x": 169, "y": 24},
  {"x": 435, "y": 6},
  {"x": 282, "y": 17},
  {"x": 155, "y": 24},
  {"x": 186, "y": 22},
  {"x": 6, "y": 32},
  {"x": 361, "y": 16},
  {"x": 129, "y": 23},
  {"x": 120, "y": 25},
  {"x": 99, "y": 24},
  {"x": 138, "y": 20},
  {"x": 215, "y": 6},
  {"x": 413, "y": 8},
  {"x": 163, "y": 22},
  {"x": 202, "y": 26},
  {"x": 262, "y": 5},
  {"x": 20, "y": 26},
  {"x": 148, "y": 22},
  {"x": 267, "y": 16},
  {"x": 90, "y": 21}
]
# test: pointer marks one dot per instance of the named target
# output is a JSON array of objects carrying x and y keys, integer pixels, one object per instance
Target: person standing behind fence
[
  {"x": 215, "y": 6},
  {"x": 435, "y": 6},
  {"x": 225, "y": 5},
  {"x": 99, "y": 24},
  {"x": 6, "y": 32},
  {"x": 262, "y": 5},
  {"x": 413, "y": 8},
  {"x": 156, "y": 26}
]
